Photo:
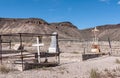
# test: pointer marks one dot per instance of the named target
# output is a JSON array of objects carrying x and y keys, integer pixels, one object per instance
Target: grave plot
[
  {"x": 27, "y": 50},
  {"x": 92, "y": 46}
]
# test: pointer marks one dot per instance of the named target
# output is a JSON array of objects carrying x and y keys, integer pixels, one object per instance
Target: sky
[{"x": 82, "y": 13}]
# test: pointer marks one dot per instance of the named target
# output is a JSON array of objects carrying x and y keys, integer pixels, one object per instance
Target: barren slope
[
  {"x": 111, "y": 31},
  {"x": 35, "y": 25}
]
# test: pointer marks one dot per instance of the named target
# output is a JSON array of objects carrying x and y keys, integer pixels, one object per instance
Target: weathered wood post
[
  {"x": 110, "y": 46},
  {"x": 1, "y": 49},
  {"x": 58, "y": 49},
  {"x": 21, "y": 50}
]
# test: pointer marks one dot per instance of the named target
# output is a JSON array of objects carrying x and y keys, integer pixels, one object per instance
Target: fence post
[
  {"x": 0, "y": 49},
  {"x": 21, "y": 49}
]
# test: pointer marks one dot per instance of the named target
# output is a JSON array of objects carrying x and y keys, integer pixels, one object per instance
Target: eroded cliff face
[{"x": 36, "y": 25}]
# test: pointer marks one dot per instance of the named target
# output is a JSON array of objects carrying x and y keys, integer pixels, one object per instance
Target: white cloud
[
  {"x": 105, "y": 1},
  {"x": 108, "y": 1},
  {"x": 119, "y": 2}
]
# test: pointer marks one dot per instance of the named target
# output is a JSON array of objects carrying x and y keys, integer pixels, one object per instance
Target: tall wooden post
[
  {"x": 10, "y": 44},
  {"x": 110, "y": 46},
  {"x": 0, "y": 49},
  {"x": 58, "y": 50},
  {"x": 21, "y": 50}
]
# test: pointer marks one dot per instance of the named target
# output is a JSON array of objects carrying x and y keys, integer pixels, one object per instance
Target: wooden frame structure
[{"x": 21, "y": 56}]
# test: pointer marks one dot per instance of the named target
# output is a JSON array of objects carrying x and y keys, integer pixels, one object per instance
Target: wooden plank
[
  {"x": 26, "y": 34},
  {"x": 48, "y": 54},
  {"x": 90, "y": 56}
]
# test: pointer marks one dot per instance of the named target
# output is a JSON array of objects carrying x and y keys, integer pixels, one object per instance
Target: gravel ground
[{"x": 70, "y": 68}]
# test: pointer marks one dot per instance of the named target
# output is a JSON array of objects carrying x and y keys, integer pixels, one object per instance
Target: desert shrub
[
  {"x": 4, "y": 69},
  {"x": 105, "y": 70},
  {"x": 94, "y": 74},
  {"x": 110, "y": 74},
  {"x": 48, "y": 68},
  {"x": 105, "y": 74},
  {"x": 117, "y": 61},
  {"x": 76, "y": 52},
  {"x": 118, "y": 69},
  {"x": 62, "y": 68}
]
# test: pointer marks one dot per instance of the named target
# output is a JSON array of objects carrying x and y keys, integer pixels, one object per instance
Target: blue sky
[{"x": 82, "y": 13}]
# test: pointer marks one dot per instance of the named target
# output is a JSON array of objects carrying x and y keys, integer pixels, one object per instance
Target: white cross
[{"x": 38, "y": 45}]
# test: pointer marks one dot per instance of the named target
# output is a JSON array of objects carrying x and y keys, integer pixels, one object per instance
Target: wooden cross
[{"x": 38, "y": 45}]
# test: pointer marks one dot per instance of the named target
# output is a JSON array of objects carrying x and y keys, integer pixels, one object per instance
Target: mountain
[
  {"x": 105, "y": 31},
  {"x": 65, "y": 29},
  {"x": 37, "y": 25}
]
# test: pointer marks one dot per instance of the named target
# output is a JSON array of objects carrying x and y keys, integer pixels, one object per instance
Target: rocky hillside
[
  {"x": 36, "y": 25},
  {"x": 64, "y": 29},
  {"x": 105, "y": 31}
]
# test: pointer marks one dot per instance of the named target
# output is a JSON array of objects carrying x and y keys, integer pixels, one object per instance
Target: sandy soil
[{"x": 71, "y": 66}]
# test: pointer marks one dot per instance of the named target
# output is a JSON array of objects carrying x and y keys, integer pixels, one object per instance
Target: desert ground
[{"x": 72, "y": 66}]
